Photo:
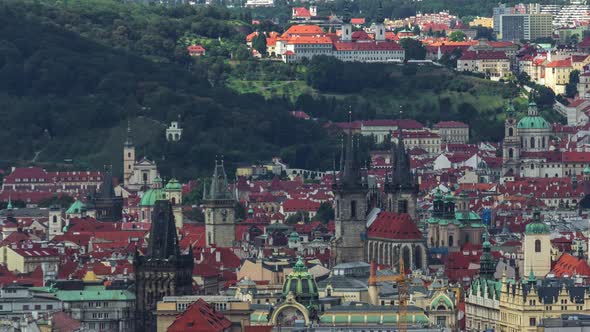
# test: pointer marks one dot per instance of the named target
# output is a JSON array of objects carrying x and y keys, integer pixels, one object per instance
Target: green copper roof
[
  {"x": 173, "y": 185},
  {"x": 587, "y": 170},
  {"x": 537, "y": 226},
  {"x": 532, "y": 277},
  {"x": 533, "y": 122},
  {"x": 76, "y": 207},
  {"x": 150, "y": 197},
  {"x": 449, "y": 197},
  {"x": 294, "y": 236},
  {"x": 94, "y": 293}
]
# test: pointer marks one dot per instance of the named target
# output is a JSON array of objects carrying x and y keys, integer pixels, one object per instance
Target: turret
[{"x": 219, "y": 204}]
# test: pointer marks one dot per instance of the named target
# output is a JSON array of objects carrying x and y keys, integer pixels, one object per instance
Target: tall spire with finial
[
  {"x": 129, "y": 139},
  {"x": 351, "y": 166},
  {"x": 219, "y": 187}
]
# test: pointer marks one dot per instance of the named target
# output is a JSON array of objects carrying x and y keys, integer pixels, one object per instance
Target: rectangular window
[
  {"x": 353, "y": 209},
  {"x": 37, "y": 307},
  {"x": 532, "y": 321},
  {"x": 50, "y": 307},
  {"x": 26, "y": 307}
]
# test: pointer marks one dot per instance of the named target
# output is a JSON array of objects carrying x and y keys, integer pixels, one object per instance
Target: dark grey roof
[
  {"x": 27, "y": 213},
  {"x": 360, "y": 306},
  {"x": 342, "y": 282}
]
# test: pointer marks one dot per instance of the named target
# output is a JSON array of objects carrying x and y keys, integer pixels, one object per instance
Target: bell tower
[
  {"x": 128, "y": 156},
  {"x": 511, "y": 146},
  {"x": 219, "y": 204},
  {"x": 350, "y": 193}
]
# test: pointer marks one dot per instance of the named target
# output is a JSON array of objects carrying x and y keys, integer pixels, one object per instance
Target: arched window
[
  {"x": 532, "y": 143},
  {"x": 510, "y": 131},
  {"x": 451, "y": 240},
  {"x": 54, "y": 219},
  {"x": 532, "y": 166},
  {"x": 510, "y": 153},
  {"x": 537, "y": 245}
]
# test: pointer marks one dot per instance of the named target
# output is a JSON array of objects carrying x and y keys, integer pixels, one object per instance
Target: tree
[
  {"x": 523, "y": 78},
  {"x": 325, "y": 213},
  {"x": 484, "y": 33},
  {"x": 571, "y": 89},
  {"x": 544, "y": 96},
  {"x": 259, "y": 43},
  {"x": 457, "y": 36},
  {"x": 414, "y": 49},
  {"x": 299, "y": 216}
]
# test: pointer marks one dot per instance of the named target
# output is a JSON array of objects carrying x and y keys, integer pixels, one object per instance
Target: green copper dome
[
  {"x": 587, "y": 170},
  {"x": 173, "y": 185},
  {"x": 302, "y": 284},
  {"x": 537, "y": 226},
  {"x": 294, "y": 236},
  {"x": 533, "y": 122},
  {"x": 150, "y": 197}
]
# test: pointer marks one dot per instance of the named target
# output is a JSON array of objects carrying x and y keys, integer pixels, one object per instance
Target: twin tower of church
[{"x": 354, "y": 199}]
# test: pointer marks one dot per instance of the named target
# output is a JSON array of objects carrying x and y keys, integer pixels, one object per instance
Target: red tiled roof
[
  {"x": 294, "y": 205},
  {"x": 570, "y": 265},
  {"x": 394, "y": 226},
  {"x": 484, "y": 55},
  {"x": 301, "y": 12},
  {"x": 357, "y": 20},
  {"x": 559, "y": 63},
  {"x": 200, "y": 317},
  {"x": 303, "y": 29},
  {"x": 451, "y": 124}
]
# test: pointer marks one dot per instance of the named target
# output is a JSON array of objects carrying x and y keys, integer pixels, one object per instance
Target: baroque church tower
[
  {"x": 219, "y": 204},
  {"x": 350, "y": 193},
  {"x": 511, "y": 146},
  {"x": 401, "y": 186},
  {"x": 163, "y": 270},
  {"x": 128, "y": 156}
]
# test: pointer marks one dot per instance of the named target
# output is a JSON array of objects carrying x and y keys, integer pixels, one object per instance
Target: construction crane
[{"x": 402, "y": 292}]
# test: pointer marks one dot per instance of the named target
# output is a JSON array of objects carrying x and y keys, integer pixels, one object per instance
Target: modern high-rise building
[
  {"x": 498, "y": 12},
  {"x": 515, "y": 27}
]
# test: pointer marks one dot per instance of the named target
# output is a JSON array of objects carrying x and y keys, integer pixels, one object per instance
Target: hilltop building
[{"x": 307, "y": 41}]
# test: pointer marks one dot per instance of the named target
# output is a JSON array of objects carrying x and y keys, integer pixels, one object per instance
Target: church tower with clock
[{"x": 219, "y": 204}]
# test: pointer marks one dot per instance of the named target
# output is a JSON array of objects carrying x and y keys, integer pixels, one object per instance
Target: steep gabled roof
[
  {"x": 200, "y": 317},
  {"x": 394, "y": 226}
]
